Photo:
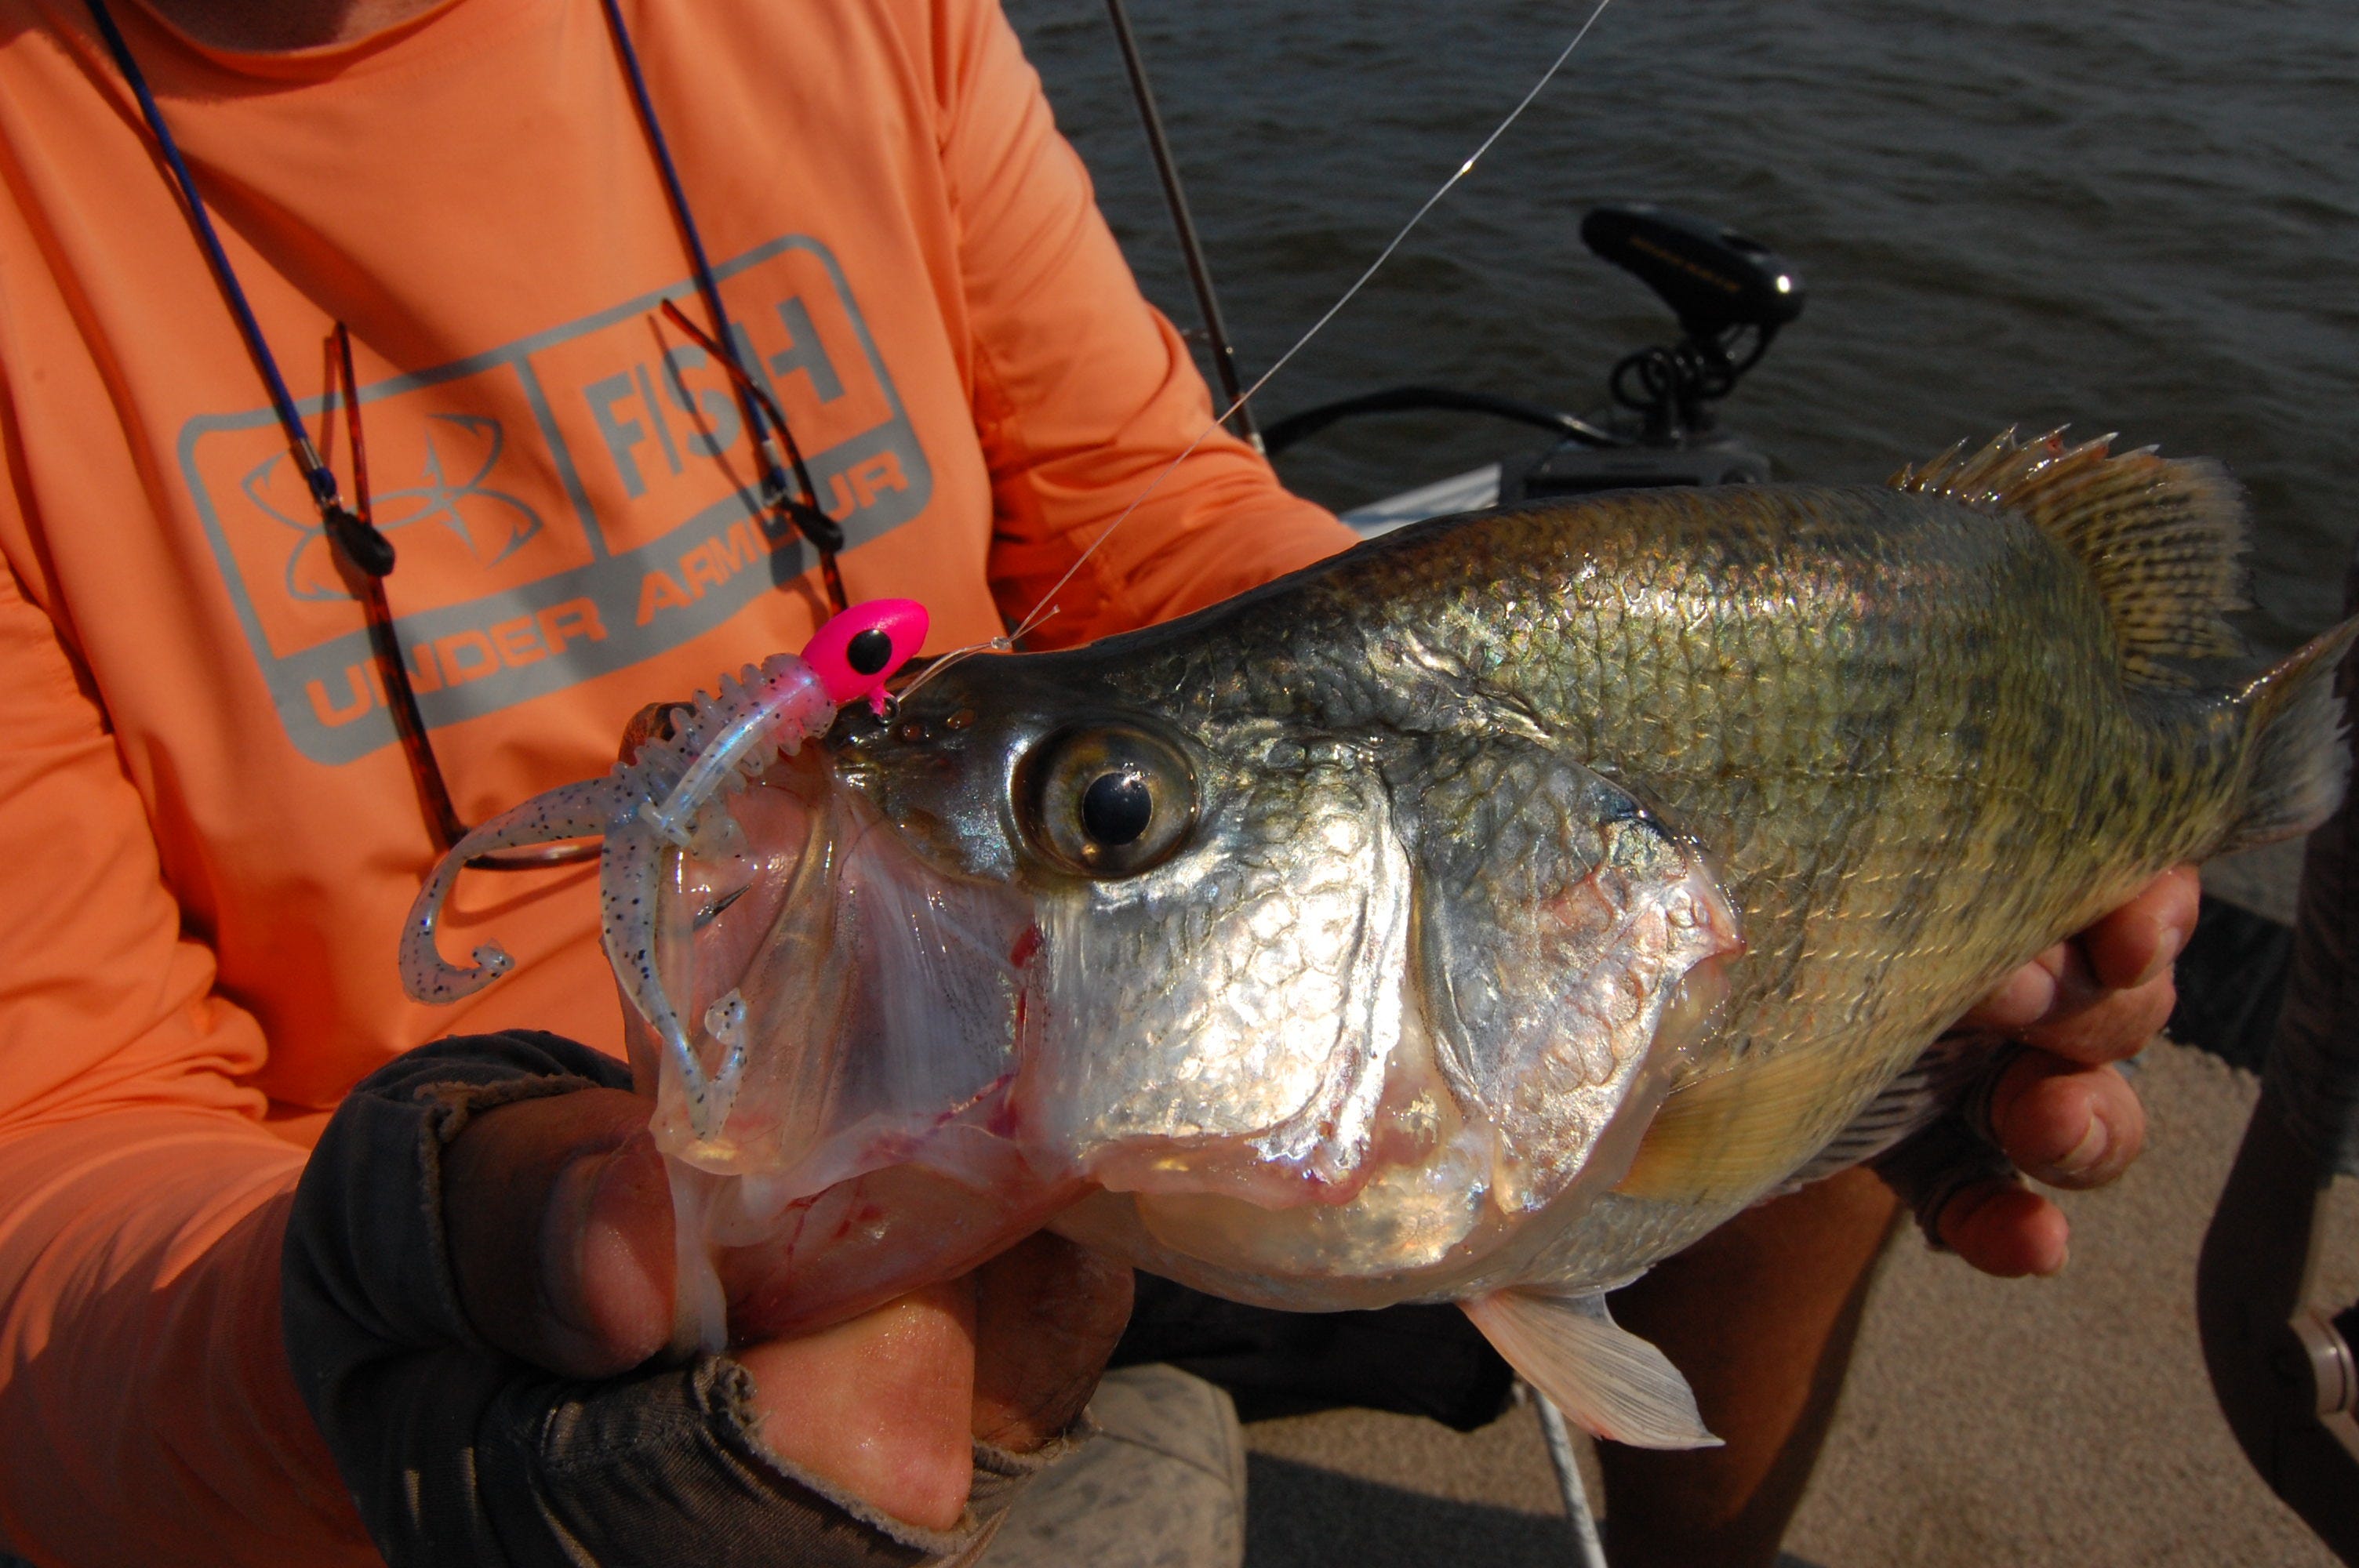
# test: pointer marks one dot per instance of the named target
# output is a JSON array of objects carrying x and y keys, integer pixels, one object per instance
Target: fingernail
[{"x": 2084, "y": 1155}]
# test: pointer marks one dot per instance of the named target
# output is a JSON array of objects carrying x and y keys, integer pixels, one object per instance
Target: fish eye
[{"x": 1106, "y": 802}]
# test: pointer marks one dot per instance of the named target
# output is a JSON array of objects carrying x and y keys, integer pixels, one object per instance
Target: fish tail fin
[
  {"x": 2161, "y": 537},
  {"x": 2296, "y": 763},
  {"x": 1606, "y": 1380}
]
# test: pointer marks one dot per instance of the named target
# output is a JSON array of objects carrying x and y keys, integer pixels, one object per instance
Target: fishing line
[{"x": 1041, "y": 610}]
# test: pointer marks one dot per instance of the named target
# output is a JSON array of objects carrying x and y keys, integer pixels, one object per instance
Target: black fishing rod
[{"x": 1200, "y": 274}]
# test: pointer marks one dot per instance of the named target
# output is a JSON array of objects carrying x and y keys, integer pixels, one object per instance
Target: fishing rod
[
  {"x": 1046, "y": 605},
  {"x": 1239, "y": 416}
]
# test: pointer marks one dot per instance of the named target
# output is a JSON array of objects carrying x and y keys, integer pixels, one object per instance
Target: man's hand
[
  {"x": 2060, "y": 1111},
  {"x": 559, "y": 1222}
]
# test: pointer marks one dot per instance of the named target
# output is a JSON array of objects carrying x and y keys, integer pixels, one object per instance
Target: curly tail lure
[{"x": 648, "y": 809}]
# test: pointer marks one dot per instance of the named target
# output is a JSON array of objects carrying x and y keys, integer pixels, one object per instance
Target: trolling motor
[
  {"x": 1731, "y": 294},
  {"x": 1721, "y": 285}
]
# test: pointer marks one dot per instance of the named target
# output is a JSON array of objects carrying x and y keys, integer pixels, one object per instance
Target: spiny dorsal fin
[
  {"x": 2160, "y": 536},
  {"x": 1606, "y": 1380}
]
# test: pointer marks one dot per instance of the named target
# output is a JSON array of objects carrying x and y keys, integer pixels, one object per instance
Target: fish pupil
[
  {"x": 1117, "y": 808},
  {"x": 869, "y": 652}
]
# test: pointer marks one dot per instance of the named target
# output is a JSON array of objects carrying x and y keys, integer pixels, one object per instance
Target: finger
[
  {"x": 879, "y": 1405},
  {"x": 2005, "y": 1229},
  {"x": 2109, "y": 1026},
  {"x": 2056, "y": 1004},
  {"x": 2138, "y": 941},
  {"x": 2025, "y": 997},
  {"x": 557, "y": 1217},
  {"x": 2065, "y": 1124},
  {"x": 1048, "y": 1314},
  {"x": 2128, "y": 949}
]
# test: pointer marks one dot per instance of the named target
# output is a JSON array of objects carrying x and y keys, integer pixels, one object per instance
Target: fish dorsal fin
[
  {"x": 2160, "y": 536},
  {"x": 1607, "y": 1381}
]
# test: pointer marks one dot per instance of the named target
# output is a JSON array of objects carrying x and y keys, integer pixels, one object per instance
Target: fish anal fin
[
  {"x": 2161, "y": 537},
  {"x": 1605, "y": 1380}
]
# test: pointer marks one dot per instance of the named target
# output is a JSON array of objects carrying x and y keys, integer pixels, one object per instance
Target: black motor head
[{"x": 1713, "y": 277}]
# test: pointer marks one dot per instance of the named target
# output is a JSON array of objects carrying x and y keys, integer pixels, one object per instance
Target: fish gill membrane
[{"x": 1482, "y": 915}]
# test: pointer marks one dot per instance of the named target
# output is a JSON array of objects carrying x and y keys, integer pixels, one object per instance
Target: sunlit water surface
[{"x": 2135, "y": 217}]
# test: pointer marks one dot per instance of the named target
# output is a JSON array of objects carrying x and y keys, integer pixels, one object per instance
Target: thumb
[{"x": 559, "y": 1221}]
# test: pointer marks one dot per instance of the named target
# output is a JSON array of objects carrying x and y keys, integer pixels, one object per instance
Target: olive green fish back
[{"x": 1922, "y": 731}]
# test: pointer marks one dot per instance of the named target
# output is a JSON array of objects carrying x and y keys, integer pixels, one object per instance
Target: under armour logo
[{"x": 491, "y": 523}]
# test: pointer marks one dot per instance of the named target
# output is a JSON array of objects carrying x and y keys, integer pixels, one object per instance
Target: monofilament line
[{"x": 1039, "y": 612}]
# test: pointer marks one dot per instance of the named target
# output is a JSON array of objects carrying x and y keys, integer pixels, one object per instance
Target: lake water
[{"x": 2135, "y": 217}]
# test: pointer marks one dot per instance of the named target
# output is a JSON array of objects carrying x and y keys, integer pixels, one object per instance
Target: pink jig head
[{"x": 856, "y": 651}]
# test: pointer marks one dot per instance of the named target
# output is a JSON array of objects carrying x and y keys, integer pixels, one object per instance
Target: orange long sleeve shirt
[{"x": 209, "y": 833}]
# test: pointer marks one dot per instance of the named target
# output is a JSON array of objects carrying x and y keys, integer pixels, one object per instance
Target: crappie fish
[{"x": 1482, "y": 915}]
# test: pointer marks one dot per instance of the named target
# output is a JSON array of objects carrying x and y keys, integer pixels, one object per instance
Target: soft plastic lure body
[{"x": 648, "y": 811}]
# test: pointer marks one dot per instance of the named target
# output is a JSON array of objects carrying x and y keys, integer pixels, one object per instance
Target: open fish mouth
[{"x": 878, "y": 1004}]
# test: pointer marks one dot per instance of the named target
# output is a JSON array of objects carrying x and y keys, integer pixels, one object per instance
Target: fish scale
[
  {"x": 1916, "y": 732},
  {"x": 1482, "y": 915}
]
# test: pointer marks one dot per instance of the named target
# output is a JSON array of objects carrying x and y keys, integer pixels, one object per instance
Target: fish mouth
[
  {"x": 880, "y": 1002},
  {"x": 871, "y": 1145}
]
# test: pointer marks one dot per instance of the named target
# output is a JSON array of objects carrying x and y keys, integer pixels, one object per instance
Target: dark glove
[{"x": 457, "y": 1452}]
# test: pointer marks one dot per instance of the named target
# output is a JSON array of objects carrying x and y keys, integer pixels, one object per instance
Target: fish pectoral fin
[{"x": 1606, "y": 1380}]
